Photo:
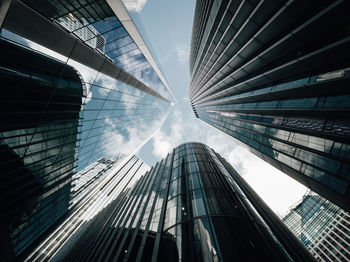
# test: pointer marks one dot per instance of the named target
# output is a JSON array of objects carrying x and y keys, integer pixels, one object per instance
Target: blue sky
[{"x": 168, "y": 25}]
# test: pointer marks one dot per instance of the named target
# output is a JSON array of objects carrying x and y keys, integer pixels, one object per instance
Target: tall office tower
[
  {"x": 274, "y": 76},
  {"x": 40, "y": 104},
  {"x": 322, "y": 227},
  {"x": 84, "y": 180},
  {"x": 108, "y": 105},
  {"x": 188, "y": 207},
  {"x": 126, "y": 97},
  {"x": 113, "y": 177}
]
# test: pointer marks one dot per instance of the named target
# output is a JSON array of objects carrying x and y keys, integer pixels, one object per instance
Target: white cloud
[
  {"x": 186, "y": 128},
  {"x": 186, "y": 99},
  {"x": 165, "y": 58},
  {"x": 182, "y": 53},
  {"x": 129, "y": 137},
  {"x": 278, "y": 190},
  {"x": 236, "y": 155},
  {"x": 163, "y": 143}
]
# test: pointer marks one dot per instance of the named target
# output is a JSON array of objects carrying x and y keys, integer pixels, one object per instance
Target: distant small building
[
  {"x": 85, "y": 31},
  {"x": 322, "y": 227}
]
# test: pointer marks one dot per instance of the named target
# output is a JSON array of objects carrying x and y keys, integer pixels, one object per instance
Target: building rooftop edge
[{"x": 122, "y": 13}]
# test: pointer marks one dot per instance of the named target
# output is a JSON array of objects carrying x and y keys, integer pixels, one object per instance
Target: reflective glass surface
[
  {"x": 186, "y": 208},
  {"x": 97, "y": 26},
  {"x": 62, "y": 115},
  {"x": 39, "y": 132},
  {"x": 284, "y": 99},
  {"x": 321, "y": 226}
]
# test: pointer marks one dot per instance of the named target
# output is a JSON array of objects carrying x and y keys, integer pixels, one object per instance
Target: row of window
[{"x": 258, "y": 142}]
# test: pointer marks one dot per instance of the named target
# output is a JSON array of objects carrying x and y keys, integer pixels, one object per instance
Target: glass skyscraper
[
  {"x": 102, "y": 182},
  {"x": 126, "y": 96},
  {"x": 322, "y": 227},
  {"x": 274, "y": 76},
  {"x": 39, "y": 134},
  {"x": 79, "y": 84},
  {"x": 188, "y": 207}
]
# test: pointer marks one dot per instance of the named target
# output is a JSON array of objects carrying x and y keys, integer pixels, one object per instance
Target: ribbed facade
[
  {"x": 105, "y": 180},
  {"x": 187, "y": 207},
  {"x": 78, "y": 85},
  {"x": 322, "y": 227},
  {"x": 274, "y": 76}
]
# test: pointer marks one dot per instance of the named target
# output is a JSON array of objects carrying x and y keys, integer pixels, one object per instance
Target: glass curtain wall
[
  {"x": 125, "y": 99},
  {"x": 274, "y": 76},
  {"x": 40, "y": 106},
  {"x": 101, "y": 183},
  {"x": 322, "y": 227},
  {"x": 187, "y": 207},
  {"x": 95, "y": 93}
]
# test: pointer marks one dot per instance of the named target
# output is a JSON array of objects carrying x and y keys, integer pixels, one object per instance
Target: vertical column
[{"x": 290, "y": 243}]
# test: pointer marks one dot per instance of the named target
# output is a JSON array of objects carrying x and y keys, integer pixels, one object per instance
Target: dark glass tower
[
  {"x": 188, "y": 207},
  {"x": 56, "y": 120},
  {"x": 126, "y": 97},
  {"x": 273, "y": 75},
  {"x": 40, "y": 105}
]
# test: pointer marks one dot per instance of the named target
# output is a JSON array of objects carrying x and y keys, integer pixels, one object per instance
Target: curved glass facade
[
  {"x": 274, "y": 77},
  {"x": 209, "y": 216},
  {"x": 188, "y": 207}
]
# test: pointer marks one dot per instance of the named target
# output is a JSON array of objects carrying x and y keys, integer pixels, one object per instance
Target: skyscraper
[
  {"x": 103, "y": 181},
  {"x": 188, "y": 207},
  {"x": 322, "y": 227},
  {"x": 96, "y": 93},
  {"x": 126, "y": 97},
  {"x": 40, "y": 105},
  {"x": 274, "y": 76}
]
